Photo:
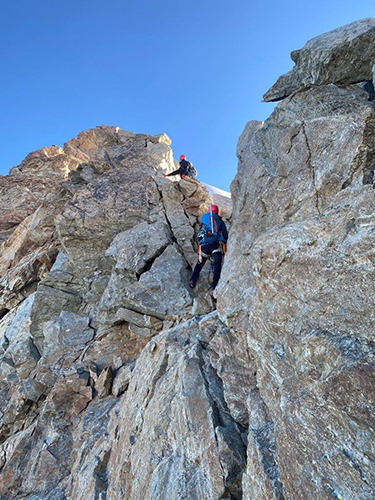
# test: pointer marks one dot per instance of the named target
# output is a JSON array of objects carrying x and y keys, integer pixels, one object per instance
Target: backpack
[
  {"x": 209, "y": 229},
  {"x": 187, "y": 168},
  {"x": 191, "y": 169}
]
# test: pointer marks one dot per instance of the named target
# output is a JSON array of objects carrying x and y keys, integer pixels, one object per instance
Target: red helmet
[
  {"x": 215, "y": 209},
  {"x": 182, "y": 157}
]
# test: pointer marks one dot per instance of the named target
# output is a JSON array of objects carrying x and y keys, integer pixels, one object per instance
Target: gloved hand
[
  {"x": 164, "y": 175},
  {"x": 183, "y": 176}
]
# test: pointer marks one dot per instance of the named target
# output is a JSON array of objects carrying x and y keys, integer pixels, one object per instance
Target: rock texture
[
  {"x": 94, "y": 264},
  {"x": 179, "y": 439},
  {"x": 342, "y": 56},
  {"x": 117, "y": 381},
  {"x": 298, "y": 291}
]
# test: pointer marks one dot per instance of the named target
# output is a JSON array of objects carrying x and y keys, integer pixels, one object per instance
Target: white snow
[{"x": 214, "y": 190}]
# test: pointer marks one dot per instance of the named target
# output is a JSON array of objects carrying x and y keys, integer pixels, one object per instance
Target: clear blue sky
[{"x": 196, "y": 70}]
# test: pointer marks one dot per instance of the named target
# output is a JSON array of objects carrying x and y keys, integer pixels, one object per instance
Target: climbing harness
[{"x": 208, "y": 255}]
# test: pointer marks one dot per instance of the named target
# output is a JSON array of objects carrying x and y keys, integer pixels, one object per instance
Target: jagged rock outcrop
[
  {"x": 117, "y": 381},
  {"x": 342, "y": 56},
  {"x": 94, "y": 268},
  {"x": 30, "y": 184},
  {"x": 298, "y": 291}
]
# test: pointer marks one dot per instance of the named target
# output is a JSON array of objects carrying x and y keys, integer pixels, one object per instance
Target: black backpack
[
  {"x": 188, "y": 168},
  {"x": 191, "y": 169}
]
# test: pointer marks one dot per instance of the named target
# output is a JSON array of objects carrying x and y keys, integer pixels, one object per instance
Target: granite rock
[
  {"x": 297, "y": 290},
  {"x": 95, "y": 268},
  {"x": 173, "y": 434},
  {"x": 342, "y": 56},
  {"x": 118, "y": 381}
]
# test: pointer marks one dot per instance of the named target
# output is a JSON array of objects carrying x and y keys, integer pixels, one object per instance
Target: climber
[
  {"x": 186, "y": 169},
  {"x": 212, "y": 237}
]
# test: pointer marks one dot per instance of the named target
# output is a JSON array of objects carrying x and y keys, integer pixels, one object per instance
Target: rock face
[
  {"x": 342, "y": 56},
  {"x": 94, "y": 264},
  {"x": 193, "y": 448},
  {"x": 298, "y": 292},
  {"x": 30, "y": 184},
  {"x": 117, "y": 381}
]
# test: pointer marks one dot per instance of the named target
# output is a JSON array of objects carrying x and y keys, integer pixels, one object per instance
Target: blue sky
[{"x": 195, "y": 70}]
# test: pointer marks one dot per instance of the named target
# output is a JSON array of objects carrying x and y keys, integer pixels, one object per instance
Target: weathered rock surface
[
  {"x": 30, "y": 184},
  {"x": 180, "y": 437},
  {"x": 97, "y": 265},
  {"x": 342, "y": 56},
  {"x": 117, "y": 381},
  {"x": 298, "y": 284}
]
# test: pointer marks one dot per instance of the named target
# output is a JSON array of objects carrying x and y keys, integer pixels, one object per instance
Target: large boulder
[{"x": 342, "y": 56}]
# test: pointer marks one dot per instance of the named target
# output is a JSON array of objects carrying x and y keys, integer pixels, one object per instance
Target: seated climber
[
  {"x": 185, "y": 169},
  {"x": 212, "y": 237}
]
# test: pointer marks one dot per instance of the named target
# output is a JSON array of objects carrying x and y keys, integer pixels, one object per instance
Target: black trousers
[
  {"x": 176, "y": 172},
  {"x": 217, "y": 258}
]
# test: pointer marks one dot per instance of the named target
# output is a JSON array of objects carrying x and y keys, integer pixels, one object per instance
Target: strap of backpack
[{"x": 215, "y": 225}]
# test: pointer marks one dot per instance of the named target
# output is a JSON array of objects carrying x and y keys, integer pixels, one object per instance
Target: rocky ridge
[
  {"x": 96, "y": 266},
  {"x": 117, "y": 381}
]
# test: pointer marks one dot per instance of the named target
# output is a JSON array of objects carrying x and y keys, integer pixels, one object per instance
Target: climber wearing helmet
[
  {"x": 212, "y": 237},
  {"x": 186, "y": 169}
]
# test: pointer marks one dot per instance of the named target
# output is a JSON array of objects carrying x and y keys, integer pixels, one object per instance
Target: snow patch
[{"x": 214, "y": 190}]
